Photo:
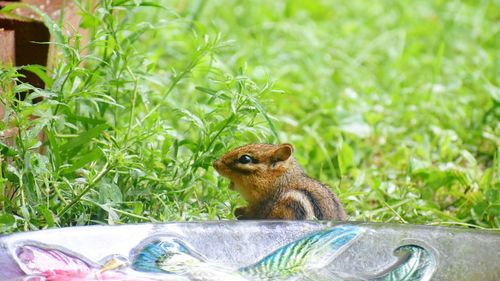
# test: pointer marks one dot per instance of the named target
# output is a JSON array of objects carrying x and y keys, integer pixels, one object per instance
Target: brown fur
[{"x": 275, "y": 185}]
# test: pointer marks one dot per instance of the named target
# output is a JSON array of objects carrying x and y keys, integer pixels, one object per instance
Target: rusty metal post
[{"x": 23, "y": 38}]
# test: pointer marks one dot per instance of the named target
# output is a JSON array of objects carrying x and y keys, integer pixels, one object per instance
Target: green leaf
[
  {"x": 109, "y": 193},
  {"x": 263, "y": 112},
  {"x": 82, "y": 161},
  {"x": 85, "y": 120},
  {"x": 7, "y": 222},
  {"x": 70, "y": 148},
  {"x": 480, "y": 208},
  {"x": 193, "y": 118},
  {"x": 41, "y": 72},
  {"x": 494, "y": 92},
  {"x": 25, "y": 212},
  {"x": 138, "y": 208},
  {"x": 47, "y": 214},
  {"x": 493, "y": 195},
  {"x": 494, "y": 210},
  {"x": 486, "y": 179},
  {"x": 345, "y": 156},
  {"x": 206, "y": 90},
  {"x": 89, "y": 21},
  {"x": 54, "y": 147},
  {"x": 6, "y": 150},
  {"x": 469, "y": 157}
]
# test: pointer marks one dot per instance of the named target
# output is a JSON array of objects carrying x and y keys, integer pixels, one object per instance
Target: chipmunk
[{"x": 276, "y": 186}]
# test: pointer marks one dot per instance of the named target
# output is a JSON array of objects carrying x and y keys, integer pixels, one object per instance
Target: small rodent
[{"x": 276, "y": 186}]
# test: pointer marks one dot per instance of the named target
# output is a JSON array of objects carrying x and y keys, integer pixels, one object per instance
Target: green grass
[{"x": 394, "y": 104}]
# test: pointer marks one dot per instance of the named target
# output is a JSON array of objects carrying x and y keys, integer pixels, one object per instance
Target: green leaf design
[{"x": 301, "y": 256}]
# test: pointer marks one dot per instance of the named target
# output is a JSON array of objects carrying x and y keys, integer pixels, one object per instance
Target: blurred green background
[{"x": 393, "y": 104}]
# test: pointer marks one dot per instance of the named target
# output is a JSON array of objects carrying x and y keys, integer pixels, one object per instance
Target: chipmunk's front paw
[{"x": 241, "y": 213}]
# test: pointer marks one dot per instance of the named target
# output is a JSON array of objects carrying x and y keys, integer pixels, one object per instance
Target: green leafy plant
[{"x": 393, "y": 104}]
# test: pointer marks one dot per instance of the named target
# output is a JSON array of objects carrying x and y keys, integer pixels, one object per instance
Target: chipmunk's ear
[{"x": 283, "y": 152}]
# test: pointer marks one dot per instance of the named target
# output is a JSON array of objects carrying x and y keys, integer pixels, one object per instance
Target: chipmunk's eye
[{"x": 245, "y": 159}]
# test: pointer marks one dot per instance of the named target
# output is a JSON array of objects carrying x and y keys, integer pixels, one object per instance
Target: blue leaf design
[
  {"x": 415, "y": 264},
  {"x": 152, "y": 256}
]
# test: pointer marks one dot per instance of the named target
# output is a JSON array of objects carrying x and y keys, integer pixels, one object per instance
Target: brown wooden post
[
  {"x": 7, "y": 51},
  {"x": 7, "y": 54},
  {"x": 7, "y": 58}
]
